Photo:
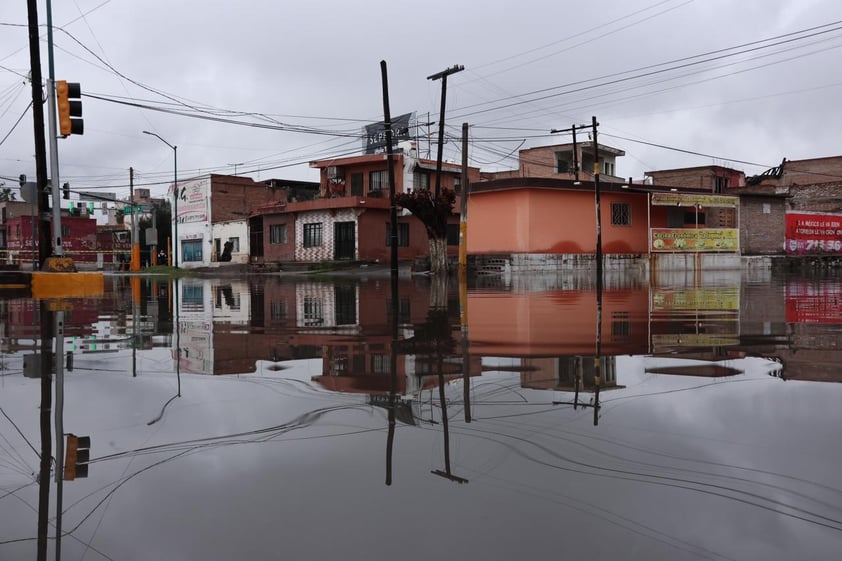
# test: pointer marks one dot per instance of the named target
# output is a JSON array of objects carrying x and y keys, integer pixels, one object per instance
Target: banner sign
[
  {"x": 680, "y": 199},
  {"x": 809, "y": 233},
  {"x": 694, "y": 239},
  {"x": 375, "y": 134}
]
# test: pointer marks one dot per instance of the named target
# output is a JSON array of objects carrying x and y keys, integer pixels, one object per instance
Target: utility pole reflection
[
  {"x": 46, "y": 318},
  {"x": 447, "y": 474},
  {"x": 177, "y": 333}
]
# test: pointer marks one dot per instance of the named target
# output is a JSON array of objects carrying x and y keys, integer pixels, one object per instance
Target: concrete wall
[{"x": 226, "y": 230}]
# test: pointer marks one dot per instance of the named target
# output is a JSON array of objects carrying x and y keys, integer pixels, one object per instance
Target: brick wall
[
  {"x": 762, "y": 225},
  {"x": 233, "y": 198},
  {"x": 816, "y": 170},
  {"x": 820, "y": 197}
]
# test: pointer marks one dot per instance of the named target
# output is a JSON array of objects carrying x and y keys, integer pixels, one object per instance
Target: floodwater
[{"x": 269, "y": 418}]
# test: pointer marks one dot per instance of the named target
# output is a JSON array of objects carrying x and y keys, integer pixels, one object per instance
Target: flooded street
[{"x": 282, "y": 417}]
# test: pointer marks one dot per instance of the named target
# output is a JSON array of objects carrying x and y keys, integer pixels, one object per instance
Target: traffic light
[
  {"x": 65, "y": 191},
  {"x": 76, "y": 457},
  {"x": 69, "y": 102}
]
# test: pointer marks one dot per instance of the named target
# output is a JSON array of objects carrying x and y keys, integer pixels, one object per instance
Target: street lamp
[{"x": 174, "y": 197}]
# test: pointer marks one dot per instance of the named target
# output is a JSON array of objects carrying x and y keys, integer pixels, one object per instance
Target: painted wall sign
[
  {"x": 193, "y": 200},
  {"x": 812, "y": 233}
]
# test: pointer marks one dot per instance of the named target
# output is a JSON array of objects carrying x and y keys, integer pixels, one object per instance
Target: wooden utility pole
[
  {"x": 390, "y": 163},
  {"x": 135, "y": 262},
  {"x": 44, "y": 240},
  {"x": 393, "y": 238},
  {"x": 594, "y": 124},
  {"x": 598, "y": 358},
  {"x": 443, "y": 76},
  {"x": 463, "y": 275}
]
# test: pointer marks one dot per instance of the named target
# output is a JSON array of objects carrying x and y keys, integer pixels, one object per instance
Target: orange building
[{"x": 555, "y": 217}]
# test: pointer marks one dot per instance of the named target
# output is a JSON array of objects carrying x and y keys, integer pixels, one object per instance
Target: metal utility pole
[
  {"x": 443, "y": 76},
  {"x": 51, "y": 108},
  {"x": 174, "y": 248},
  {"x": 40, "y": 142}
]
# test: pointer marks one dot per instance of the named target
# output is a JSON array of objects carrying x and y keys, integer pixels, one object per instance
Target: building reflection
[{"x": 237, "y": 326}]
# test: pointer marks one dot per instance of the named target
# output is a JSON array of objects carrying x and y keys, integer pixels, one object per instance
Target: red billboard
[{"x": 812, "y": 233}]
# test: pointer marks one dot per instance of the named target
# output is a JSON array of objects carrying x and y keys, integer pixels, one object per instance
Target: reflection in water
[{"x": 291, "y": 387}]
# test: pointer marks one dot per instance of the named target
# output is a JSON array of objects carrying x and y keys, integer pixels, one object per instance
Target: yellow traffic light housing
[
  {"x": 69, "y": 104},
  {"x": 77, "y": 453}
]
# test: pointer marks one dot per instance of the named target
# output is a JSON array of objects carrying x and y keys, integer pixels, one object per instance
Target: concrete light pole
[{"x": 174, "y": 197}]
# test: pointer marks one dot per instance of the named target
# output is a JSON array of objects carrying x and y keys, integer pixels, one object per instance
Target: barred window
[
  {"x": 620, "y": 214},
  {"x": 313, "y": 315},
  {"x": 313, "y": 234},
  {"x": 421, "y": 180},
  {"x": 278, "y": 233},
  {"x": 378, "y": 181}
]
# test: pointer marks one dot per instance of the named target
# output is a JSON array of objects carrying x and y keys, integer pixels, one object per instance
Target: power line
[
  {"x": 654, "y": 69},
  {"x": 22, "y": 115}
]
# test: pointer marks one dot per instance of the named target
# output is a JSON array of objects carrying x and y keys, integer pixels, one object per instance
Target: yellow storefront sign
[
  {"x": 679, "y": 199},
  {"x": 710, "y": 299},
  {"x": 692, "y": 239}
]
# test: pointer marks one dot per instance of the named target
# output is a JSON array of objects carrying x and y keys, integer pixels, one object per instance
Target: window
[
  {"x": 721, "y": 184},
  {"x": 421, "y": 180},
  {"x": 608, "y": 167},
  {"x": 191, "y": 250},
  {"x": 313, "y": 312},
  {"x": 278, "y": 233},
  {"x": 65, "y": 231},
  {"x": 403, "y": 234},
  {"x": 378, "y": 181},
  {"x": 235, "y": 245},
  {"x": 278, "y": 310},
  {"x": 767, "y": 208},
  {"x": 452, "y": 234},
  {"x": 620, "y": 214},
  {"x": 357, "y": 184},
  {"x": 380, "y": 364},
  {"x": 313, "y": 234},
  {"x": 457, "y": 183}
]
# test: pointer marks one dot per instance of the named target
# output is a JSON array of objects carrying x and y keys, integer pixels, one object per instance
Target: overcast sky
[{"x": 316, "y": 66}]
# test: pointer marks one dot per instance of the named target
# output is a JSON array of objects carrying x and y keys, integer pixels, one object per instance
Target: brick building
[
  {"x": 560, "y": 161},
  {"x": 212, "y": 214},
  {"x": 710, "y": 179},
  {"x": 351, "y": 217},
  {"x": 812, "y": 189}
]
